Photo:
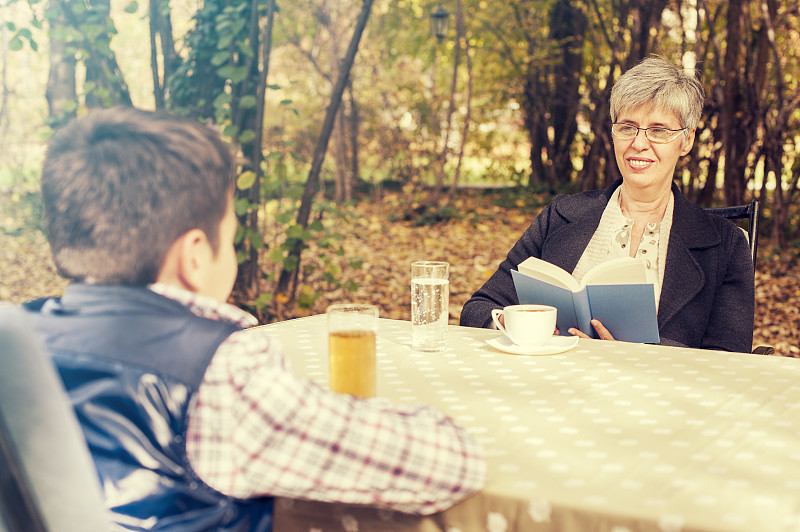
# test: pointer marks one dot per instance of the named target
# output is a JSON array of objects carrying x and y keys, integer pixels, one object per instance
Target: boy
[{"x": 192, "y": 424}]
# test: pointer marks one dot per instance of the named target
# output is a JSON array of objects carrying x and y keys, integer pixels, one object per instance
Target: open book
[{"x": 615, "y": 292}]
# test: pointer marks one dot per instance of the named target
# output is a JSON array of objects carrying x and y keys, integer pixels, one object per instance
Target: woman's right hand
[{"x": 602, "y": 332}]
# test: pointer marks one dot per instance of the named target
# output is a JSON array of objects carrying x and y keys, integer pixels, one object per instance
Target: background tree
[
  {"x": 409, "y": 113},
  {"x": 61, "y": 90},
  {"x": 463, "y": 42},
  {"x": 304, "y": 212},
  {"x": 105, "y": 83},
  {"x": 224, "y": 80},
  {"x": 81, "y": 35},
  {"x": 164, "y": 59}
]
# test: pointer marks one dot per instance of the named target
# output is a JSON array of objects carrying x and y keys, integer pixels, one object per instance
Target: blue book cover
[{"x": 627, "y": 310}]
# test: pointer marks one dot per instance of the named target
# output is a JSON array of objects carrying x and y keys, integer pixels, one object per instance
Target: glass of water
[{"x": 430, "y": 301}]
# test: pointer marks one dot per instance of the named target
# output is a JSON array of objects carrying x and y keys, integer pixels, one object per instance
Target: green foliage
[
  {"x": 434, "y": 214},
  {"x": 522, "y": 197},
  {"x": 84, "y": 31},
  {"x": 321, "y": 268},
  {"x": 401, "y": 85},
  {"x": 245, "y": 180},
  {"x": 21, "y": 210},
  {"x": 20, "y": 37}
]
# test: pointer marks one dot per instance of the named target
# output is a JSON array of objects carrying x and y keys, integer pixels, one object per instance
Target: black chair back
[
  {"x": 750, "y": 212},
  {"x": 48, "y": 482}
]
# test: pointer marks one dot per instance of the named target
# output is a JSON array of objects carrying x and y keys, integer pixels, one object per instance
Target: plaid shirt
[{"x": 257, "y": 429}]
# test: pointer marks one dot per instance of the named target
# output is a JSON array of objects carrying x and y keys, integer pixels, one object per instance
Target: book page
[
  {"x": 623, "y": 270},
  {"x": 549, "y": 273}
]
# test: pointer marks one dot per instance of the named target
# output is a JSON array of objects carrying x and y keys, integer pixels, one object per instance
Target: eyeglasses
[{"x": 657, "y": 134}]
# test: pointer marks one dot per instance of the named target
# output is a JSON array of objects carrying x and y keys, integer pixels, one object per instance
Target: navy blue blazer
[{"x": 707, "y": 297}]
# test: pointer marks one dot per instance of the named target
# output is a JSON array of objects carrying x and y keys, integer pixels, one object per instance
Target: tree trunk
[
  {"x": 354, "y": 122},
  {"x": 61, "y": 92},
  {"x": 451, "y": 104},
  {"x": 567, "y": 27},
  {"x": 463, "y": 41},
  {"x": 533, "y": 116},
  {"x": 553, "y": 96},
  {"x": 706, "y": 197},
  {"x": 102, "y": 68},
  {"x": 158, "y": 84},
  {"x": 435, "y": 124},
  {"x": 776, "y": 125},
  {"x": 248, "y": 280},
  {"x": 342, "y": 191},
  {"x": 599, "y": 159},
  {"x": 647, "y": 15},
  {"x": 312, "y": 182},
  {"x": 161, "y": 32},
  {"x": 195, "y": 85},
  {"x": 731, "y": 115},
  {"x": 4, "y": 91}
]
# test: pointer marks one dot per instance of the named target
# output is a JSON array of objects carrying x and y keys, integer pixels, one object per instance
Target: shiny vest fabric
[{"x": 131, "y": 361}]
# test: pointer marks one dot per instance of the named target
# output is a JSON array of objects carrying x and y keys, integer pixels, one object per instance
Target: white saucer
[{"x": 556, "y": 344}]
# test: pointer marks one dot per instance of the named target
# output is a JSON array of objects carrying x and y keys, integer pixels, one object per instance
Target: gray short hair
[{"x": 658, "y": 83}]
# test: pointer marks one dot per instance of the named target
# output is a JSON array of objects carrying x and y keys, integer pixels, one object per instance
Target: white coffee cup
[{"x": 526, "y": 325}]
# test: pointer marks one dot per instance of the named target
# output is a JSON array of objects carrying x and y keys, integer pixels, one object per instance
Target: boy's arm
[{"x": 257, "y": 429}]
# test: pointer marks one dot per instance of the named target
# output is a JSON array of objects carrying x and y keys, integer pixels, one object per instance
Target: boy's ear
[{"x": 186, "y": 261}]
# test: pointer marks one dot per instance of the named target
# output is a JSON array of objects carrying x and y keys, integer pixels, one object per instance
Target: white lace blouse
[{"x": 612, "y": 239}]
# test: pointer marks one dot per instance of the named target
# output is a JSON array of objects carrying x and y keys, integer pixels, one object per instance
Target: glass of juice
[{"x": 351, "y": 348}]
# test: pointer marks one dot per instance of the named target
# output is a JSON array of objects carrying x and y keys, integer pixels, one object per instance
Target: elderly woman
[{"x": 699, "y": 263}]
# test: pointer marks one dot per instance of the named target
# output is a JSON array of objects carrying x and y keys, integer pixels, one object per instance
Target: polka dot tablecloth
[{"x": 607, "y": 436}]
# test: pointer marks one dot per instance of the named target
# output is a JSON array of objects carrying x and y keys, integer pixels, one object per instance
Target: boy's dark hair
[{"x": 120, "y": 185}]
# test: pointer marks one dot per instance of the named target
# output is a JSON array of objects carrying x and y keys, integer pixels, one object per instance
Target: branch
[
  {"x": 509, "y": 50},
  {"x": 774, "y": 47},
  {"x": 313, "y": 61},
  {"x": 312, "y": 182},
  {"x": 602, "y": 26}
]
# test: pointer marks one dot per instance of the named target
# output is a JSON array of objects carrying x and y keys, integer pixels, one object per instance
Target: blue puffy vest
[{"x": 131, "y": 361}]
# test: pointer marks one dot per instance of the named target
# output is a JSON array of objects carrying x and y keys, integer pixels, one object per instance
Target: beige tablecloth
[{"x": 607, "y": 436}]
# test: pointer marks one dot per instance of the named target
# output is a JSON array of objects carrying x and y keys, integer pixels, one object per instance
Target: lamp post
[{"x": 439, "y": 19}]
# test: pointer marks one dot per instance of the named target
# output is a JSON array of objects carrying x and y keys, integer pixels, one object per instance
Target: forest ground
[{"x": 482, "y": 228}]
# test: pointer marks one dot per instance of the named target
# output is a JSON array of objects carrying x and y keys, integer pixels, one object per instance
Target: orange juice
[{"x": 351, "y": 357}]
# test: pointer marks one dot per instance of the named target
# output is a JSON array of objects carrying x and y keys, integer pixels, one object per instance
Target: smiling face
[{"x": 645, "y": 166}]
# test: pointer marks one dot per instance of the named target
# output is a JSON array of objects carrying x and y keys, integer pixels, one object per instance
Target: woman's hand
[{"x": 602, "y": 332}]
